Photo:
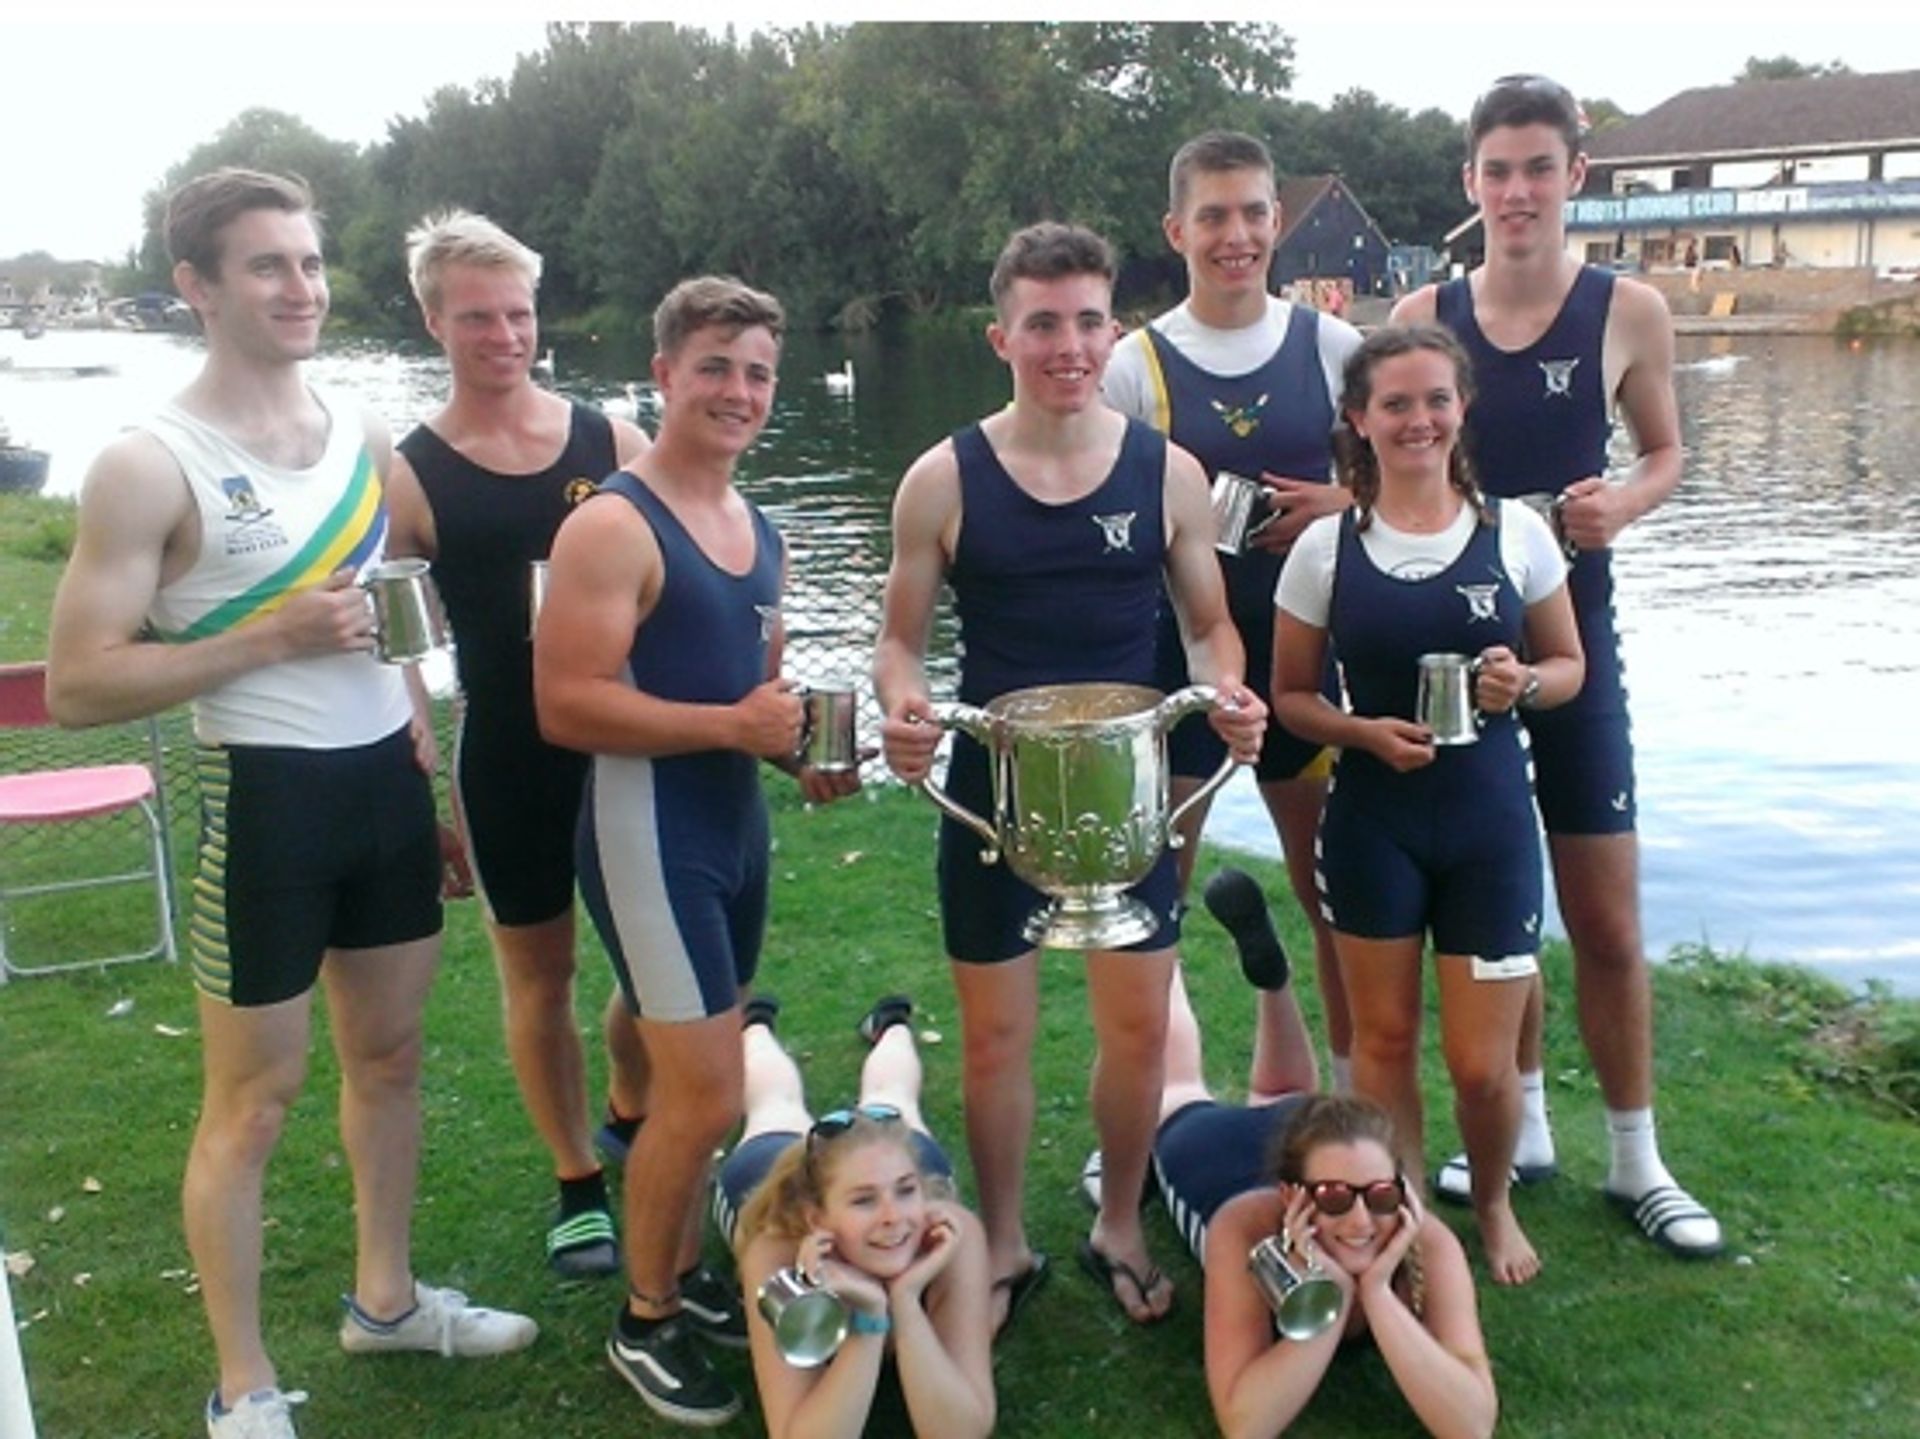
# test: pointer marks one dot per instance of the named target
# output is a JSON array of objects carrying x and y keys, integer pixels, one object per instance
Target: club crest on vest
[
  {"x": 1559, "y": 376},
  {"x": 1483, "y": 601},
  {"x": 769, "y": 616},
  {"x": 1118, "y": 530}
]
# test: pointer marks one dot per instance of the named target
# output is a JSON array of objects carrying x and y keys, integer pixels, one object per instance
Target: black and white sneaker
[
  {"x": 671, "y": 1373},
  {"x": 712, "y": 1306}
]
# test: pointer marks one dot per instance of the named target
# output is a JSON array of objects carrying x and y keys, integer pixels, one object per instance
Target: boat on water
[{"x": 23, "y": 470}]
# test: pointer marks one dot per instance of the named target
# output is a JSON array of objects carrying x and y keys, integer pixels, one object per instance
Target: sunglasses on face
[
  {"x": 1335, "y": 1197},
  {"x": 839, "y": 1121}
]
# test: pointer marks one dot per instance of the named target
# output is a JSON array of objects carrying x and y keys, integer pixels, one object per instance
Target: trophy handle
[
  {"x": 1174, "y": 708},
  {"x": 979, "y": 724}
]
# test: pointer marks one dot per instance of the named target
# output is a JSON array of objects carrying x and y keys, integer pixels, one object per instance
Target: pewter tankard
[
  {"x": 1081, "y": 806},
  {"x": 408, "y": 623},
  {"x": 809, "y": 1323},
  {"x": 1303, "y": 1299},
  {"x": 537, "y": 571},
  {"x": 1241, "y": 509},
  {"x": 1444, "y": 700},
  {"x": 827, "y": 735}
]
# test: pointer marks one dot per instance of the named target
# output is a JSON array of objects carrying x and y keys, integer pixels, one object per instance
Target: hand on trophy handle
[
  {"x": 909, "y": 735},
  {"x": 1240, "y": 720}
]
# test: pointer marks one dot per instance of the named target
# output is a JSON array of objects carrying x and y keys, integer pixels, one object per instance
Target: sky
[{"x": 99, "y": 100}]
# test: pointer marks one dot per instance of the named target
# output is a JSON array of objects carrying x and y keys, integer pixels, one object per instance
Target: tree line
[{"x": 854, "y": 170}]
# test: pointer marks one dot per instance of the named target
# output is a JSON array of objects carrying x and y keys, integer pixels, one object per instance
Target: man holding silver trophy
[{"x": 1057, "y": 522}]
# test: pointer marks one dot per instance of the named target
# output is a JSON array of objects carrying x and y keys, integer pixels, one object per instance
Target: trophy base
[{"x": 1098, "y": 921}]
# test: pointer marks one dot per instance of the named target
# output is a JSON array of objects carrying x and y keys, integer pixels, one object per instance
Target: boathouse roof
[{"x": 1810, "y": 115}]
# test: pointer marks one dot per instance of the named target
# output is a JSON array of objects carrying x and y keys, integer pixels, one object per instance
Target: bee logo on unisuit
[{"x": 1243, "y": 420}]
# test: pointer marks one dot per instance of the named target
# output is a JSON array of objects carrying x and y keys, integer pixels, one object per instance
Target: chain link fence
[{"x": 832, "y": 613}]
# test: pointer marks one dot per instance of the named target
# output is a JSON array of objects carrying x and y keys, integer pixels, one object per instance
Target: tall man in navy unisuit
[
  {"x": 479, "y": 490},
  {"x": 1249, "y": 383},
  {"x": 1557, "y": 346},
  {"x": 658, "y": 653},
  {"x": 1056, "y": 521}
]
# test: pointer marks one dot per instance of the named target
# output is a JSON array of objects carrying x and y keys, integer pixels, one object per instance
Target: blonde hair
[
  {"x": 798, "y": 1179},
  {"x": 460, "y": 237}
]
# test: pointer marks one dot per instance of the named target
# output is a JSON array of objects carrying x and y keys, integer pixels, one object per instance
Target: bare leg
[
  {"x": 998, "y": 1013},
  {"x": 1128, "y": 993},
  {"x": 775, "y": 1097},
  {"x": 1183, "y": 1078},
  {"x": 627, "y": 1069},
  {"x": 1383, "y": 987},
  {"x": 891, "y": 1074},
  {"x": 698, "y": 1080},
  {"x": 376, "y": 998},
  {"x": 1597, "y": 879},
  {"x": 1479, "y": 1026},
  {"x": 536, "y": 989},
  {"x": 254, "y": 1062},
  {"x": 1295, "y": 805},
  {"x": 1283, "y": 1059}
]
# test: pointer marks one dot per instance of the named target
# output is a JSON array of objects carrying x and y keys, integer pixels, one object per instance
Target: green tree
[{"x": 1785, "y": 67}]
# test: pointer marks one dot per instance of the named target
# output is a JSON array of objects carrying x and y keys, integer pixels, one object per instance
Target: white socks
[
  {"x": 1635, "y": 1166},
  {"x": 1534, "y": 1148},
  {"x": 1342, "y": 1066}
]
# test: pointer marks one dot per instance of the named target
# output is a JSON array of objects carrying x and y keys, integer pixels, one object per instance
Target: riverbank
[{"x": 1802, "y": 1329}]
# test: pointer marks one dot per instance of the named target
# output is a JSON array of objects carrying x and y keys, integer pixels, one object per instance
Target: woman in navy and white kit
[{"x": 1420, "y": 840}]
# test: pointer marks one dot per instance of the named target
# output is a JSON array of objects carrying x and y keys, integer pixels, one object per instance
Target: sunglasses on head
[
  {"x": 1336, "y": 1196},
  {"x": 839, "y": 1121},
  {"x": 1540, "y": 85}
]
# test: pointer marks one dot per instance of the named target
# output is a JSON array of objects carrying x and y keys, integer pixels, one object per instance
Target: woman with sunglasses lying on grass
[
  {"x": 859, "y": 1202},
  {"x": 1316, "y": 1172}
]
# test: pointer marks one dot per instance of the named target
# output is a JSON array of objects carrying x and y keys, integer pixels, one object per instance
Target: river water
[{"x": 1770, "y": 611}]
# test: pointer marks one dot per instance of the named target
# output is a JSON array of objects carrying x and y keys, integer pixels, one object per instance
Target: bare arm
[
  {"x": 830, "y": 1402},
  {"x": 1553, "y": 653},
  {"x": 603, "y": 580},
  {"x": 138, "y": 528},
  {"x": 1417, "y": 308},
  {"x": 1299, "y": 658},
  {"x": 926, "y": 519},
  {"x": 1640, "y": 331},
  {"x": 942, "y": 1330},
  {"x": 630, "y": 442},
  {"x": 410, "y": 529},
  {"x": 1215, "y": 655},
  {"x": 1258, "y": 1384},
  {"x": 1439, "y": 1358}
]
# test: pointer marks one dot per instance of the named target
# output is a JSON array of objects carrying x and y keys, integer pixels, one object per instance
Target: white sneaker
[
  {"x": 263, "y": 1414},
  {"x": 440, "y": 1322}
]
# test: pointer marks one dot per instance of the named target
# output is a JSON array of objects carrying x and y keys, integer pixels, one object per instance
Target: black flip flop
[
  {"x": 887, "y": 1012},
  {"x": 1102, "y": 1269},
  {"x": 1020, "y": 1288}
]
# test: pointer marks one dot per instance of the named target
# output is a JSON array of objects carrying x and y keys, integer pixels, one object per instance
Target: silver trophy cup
[
  {"x": 809, "y": 1323},
  {"x": 1553, "y": 509},
  {"x": 408, "y": 623},
  {"x": 1444, "y": 700},
  {"x": 1080, "y": 800},
  {"x": 1303, "y": 1299}
]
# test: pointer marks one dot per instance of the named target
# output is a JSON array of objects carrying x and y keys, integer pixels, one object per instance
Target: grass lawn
[{"x": 1807, "y": 1328}]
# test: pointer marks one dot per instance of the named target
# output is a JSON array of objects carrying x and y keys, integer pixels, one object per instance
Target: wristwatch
[{"x": 1530, "y": 691}]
